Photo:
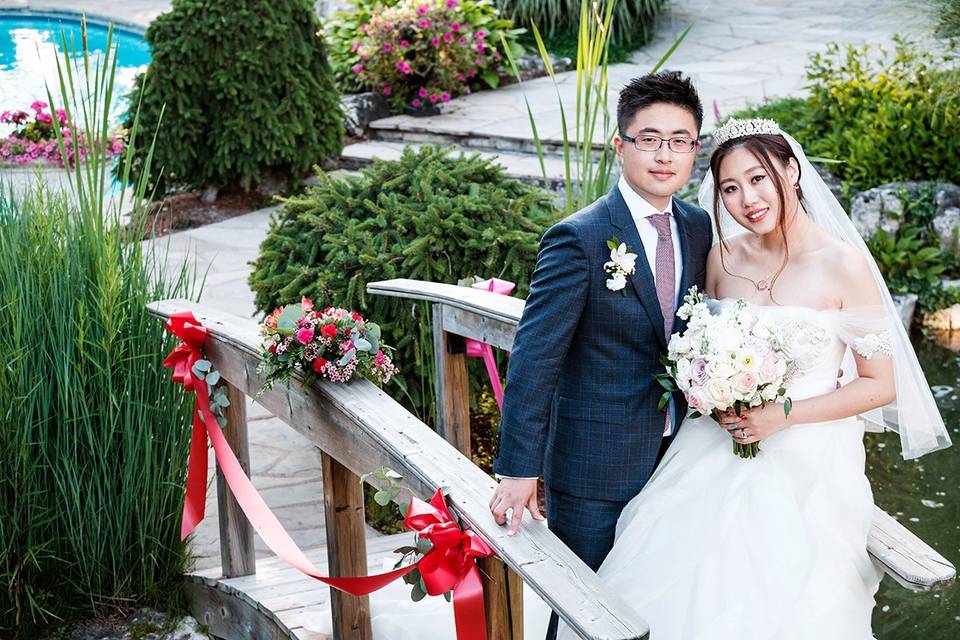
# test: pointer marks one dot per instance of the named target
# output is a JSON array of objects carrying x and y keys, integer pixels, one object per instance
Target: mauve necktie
[{"x": 665, "y": 279}]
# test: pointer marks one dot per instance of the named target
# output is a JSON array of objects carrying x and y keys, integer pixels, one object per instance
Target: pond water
[
  {"x": 30, "y": 46},
  {"x": 924, "y": 495}
]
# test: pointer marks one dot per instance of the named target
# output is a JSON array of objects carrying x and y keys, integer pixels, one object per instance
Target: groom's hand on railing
[{"x": 515, "y": 494}]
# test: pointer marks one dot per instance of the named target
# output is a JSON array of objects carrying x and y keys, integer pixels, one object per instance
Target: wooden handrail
[
  {"x": 492, "y": 318},
  {"x": 362, "y": 428}
]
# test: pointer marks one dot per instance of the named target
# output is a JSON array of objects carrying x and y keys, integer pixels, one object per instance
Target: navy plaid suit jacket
[{"x": 580, "y": 405}]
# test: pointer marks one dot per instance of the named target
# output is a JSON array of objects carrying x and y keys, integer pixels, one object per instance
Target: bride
[{"x": 718, "y": 547}]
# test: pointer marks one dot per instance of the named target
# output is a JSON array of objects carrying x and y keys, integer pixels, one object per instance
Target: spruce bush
[
  {"x": 240, "y": 91},
  {"x": 427, "y": 216}
]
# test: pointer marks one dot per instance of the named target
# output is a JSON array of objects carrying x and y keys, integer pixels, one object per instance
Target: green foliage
[
  {"x": 949, "y": 18},
  {"x": 244, "y": 92},
  {"x": 399, "y": 47},
  {"x": 631, "y": 27},
  {"x": 911, "y": 259},
  {"x": 889, "y": 117},
  {"x": 95, "y": 437},
  {"x": 427, "y": 216}
]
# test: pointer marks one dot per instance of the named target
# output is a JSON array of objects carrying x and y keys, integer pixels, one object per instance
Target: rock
[
  {"x": 360, "y": 109},
  {"x": 943, "y": 320},
  {"x": 905, "y": 303},
  {"x": 882, "y": 208},
  {"x": 877, "y": 208}
]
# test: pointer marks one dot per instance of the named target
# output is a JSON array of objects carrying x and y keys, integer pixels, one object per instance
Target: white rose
[
  {"x": 683, "y": 374},
  {"x": 769, "y": 392},
  {"x": 678, "y": 346},
  {"x": 617, "y": 282},
  {"x": 719, "y": 393},
  {"x": 720, "y": 369}
]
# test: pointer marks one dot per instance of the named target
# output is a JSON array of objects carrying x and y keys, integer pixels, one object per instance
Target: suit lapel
[
  {"x": 683, "y": 225},
  {"x": 641, "y": 282}
]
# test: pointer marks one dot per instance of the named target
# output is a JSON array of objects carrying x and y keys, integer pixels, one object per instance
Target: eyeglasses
[{"x": 648, "y": 142}]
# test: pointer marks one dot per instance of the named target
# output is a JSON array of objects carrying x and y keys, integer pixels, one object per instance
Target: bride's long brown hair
[{"x": 765, "y": 148}]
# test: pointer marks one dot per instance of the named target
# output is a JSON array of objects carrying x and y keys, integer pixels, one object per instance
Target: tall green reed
[
  {"x": 588, "y": 166},
  {"x": 93, "y": 436}
]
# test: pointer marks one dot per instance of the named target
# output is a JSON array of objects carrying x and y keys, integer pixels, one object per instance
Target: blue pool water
[{"x": 30, "y": 46}]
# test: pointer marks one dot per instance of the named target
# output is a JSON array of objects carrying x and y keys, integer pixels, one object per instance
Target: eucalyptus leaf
[
  {"x": 288, "y": 319},
  {"x": 362, "y": 345},
  {"x": 213, "y": 378},
  {"x": 372, "y": 331},
  {"x": 202, "y": 365},
  {"x": 347, "y": 357}
]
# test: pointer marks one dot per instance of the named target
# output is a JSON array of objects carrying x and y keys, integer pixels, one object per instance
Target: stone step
[
  {"x": 470, "y": 134},
  {"x": 520, "y": 166}
]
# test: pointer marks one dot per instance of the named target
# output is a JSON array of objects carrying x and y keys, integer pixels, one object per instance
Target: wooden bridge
[{"x": 359, "y": 428}]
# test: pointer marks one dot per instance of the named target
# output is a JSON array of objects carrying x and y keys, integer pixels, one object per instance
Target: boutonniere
[{"x": 622, "y": 264}]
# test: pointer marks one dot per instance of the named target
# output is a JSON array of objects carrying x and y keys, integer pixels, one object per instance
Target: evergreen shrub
[
  {"x": 244, "y": 90},
  {"x": 428, "y": 216}
]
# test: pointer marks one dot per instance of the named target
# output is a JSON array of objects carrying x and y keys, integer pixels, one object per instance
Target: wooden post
[
  {"x": 453, "y": 392},
  {"x": 236, "y": 535},
  {"x": 503, "y": 597},
  {"x": 346, "y": 547}
]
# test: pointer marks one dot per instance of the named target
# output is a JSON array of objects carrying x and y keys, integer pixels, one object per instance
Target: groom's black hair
[{"x": 666, "y": 86}]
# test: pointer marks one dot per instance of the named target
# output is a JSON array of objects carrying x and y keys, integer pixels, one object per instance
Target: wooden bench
[
  {"x": 464, "y": 312},
  {"x": 359, "y": 428}
]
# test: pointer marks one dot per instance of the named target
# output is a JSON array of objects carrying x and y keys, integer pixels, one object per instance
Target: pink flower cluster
[
  {"x": 333, "y": 343},
  {"x": 36, "y": 139},
  {"x": 420, "y": 53}
]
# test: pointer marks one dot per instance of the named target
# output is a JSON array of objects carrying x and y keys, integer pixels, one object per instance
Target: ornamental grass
[{"x": 94, "y": 437}]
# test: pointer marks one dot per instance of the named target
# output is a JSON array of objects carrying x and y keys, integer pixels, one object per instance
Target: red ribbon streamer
[{"x": 449, "y": 565}]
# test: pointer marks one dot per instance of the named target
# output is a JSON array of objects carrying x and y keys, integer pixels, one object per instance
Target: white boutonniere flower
[{"x": 621, "y": 265}]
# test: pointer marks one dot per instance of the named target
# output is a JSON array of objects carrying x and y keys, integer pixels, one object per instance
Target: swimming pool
[{"x": 30, "y": 45}]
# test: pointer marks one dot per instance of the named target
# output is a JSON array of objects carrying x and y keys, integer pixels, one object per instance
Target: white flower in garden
[{"x": 617, "y": 282}]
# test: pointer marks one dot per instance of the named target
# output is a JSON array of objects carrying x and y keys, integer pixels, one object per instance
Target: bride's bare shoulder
[{"x": 851, "y": 271}]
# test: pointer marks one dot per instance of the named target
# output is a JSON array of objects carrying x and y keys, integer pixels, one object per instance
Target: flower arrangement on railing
[
  {"x": 35, "y": 138},
  {"x": 333, "y": 344},
  {"x": 421, "y": 53}
]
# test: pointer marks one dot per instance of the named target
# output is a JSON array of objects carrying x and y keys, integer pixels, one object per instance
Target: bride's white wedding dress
[{"x": 716, "y": 547}]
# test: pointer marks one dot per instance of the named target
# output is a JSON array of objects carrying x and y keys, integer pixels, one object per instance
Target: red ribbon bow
[{"x": 450, "y": 564}]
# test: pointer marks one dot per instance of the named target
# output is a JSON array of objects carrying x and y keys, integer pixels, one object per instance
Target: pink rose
[
  {"x": 433, "y": 98},
  {"x": 404, "y": 44},
  {"x": 424, "y": 24},
  {"x": 746, "y": 382},
  {"x": 305, "y": 335},
  {"x": 448, "y": 37},
  {"x": 423, "y": 9},
  {"x": 455, "y": 26},
  {"x": 695, "y": 398},
  {"x": 444, "y": 97},
  {"x": 435, "y": 42},
  {"x": 387, "y": 47}
]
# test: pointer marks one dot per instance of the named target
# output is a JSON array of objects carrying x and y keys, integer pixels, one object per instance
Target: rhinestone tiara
[{"x": 740, "y": 128}]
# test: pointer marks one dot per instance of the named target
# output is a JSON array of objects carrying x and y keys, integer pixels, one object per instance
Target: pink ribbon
[{"x": 477, "y": 349}]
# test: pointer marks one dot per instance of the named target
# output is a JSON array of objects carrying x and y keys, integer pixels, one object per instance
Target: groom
[{"x": 581, "y": 400}]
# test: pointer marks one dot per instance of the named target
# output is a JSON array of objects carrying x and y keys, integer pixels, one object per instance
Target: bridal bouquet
[
  {"x": 725, "y": 362},
  {"x": 332, "y": 344}
]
